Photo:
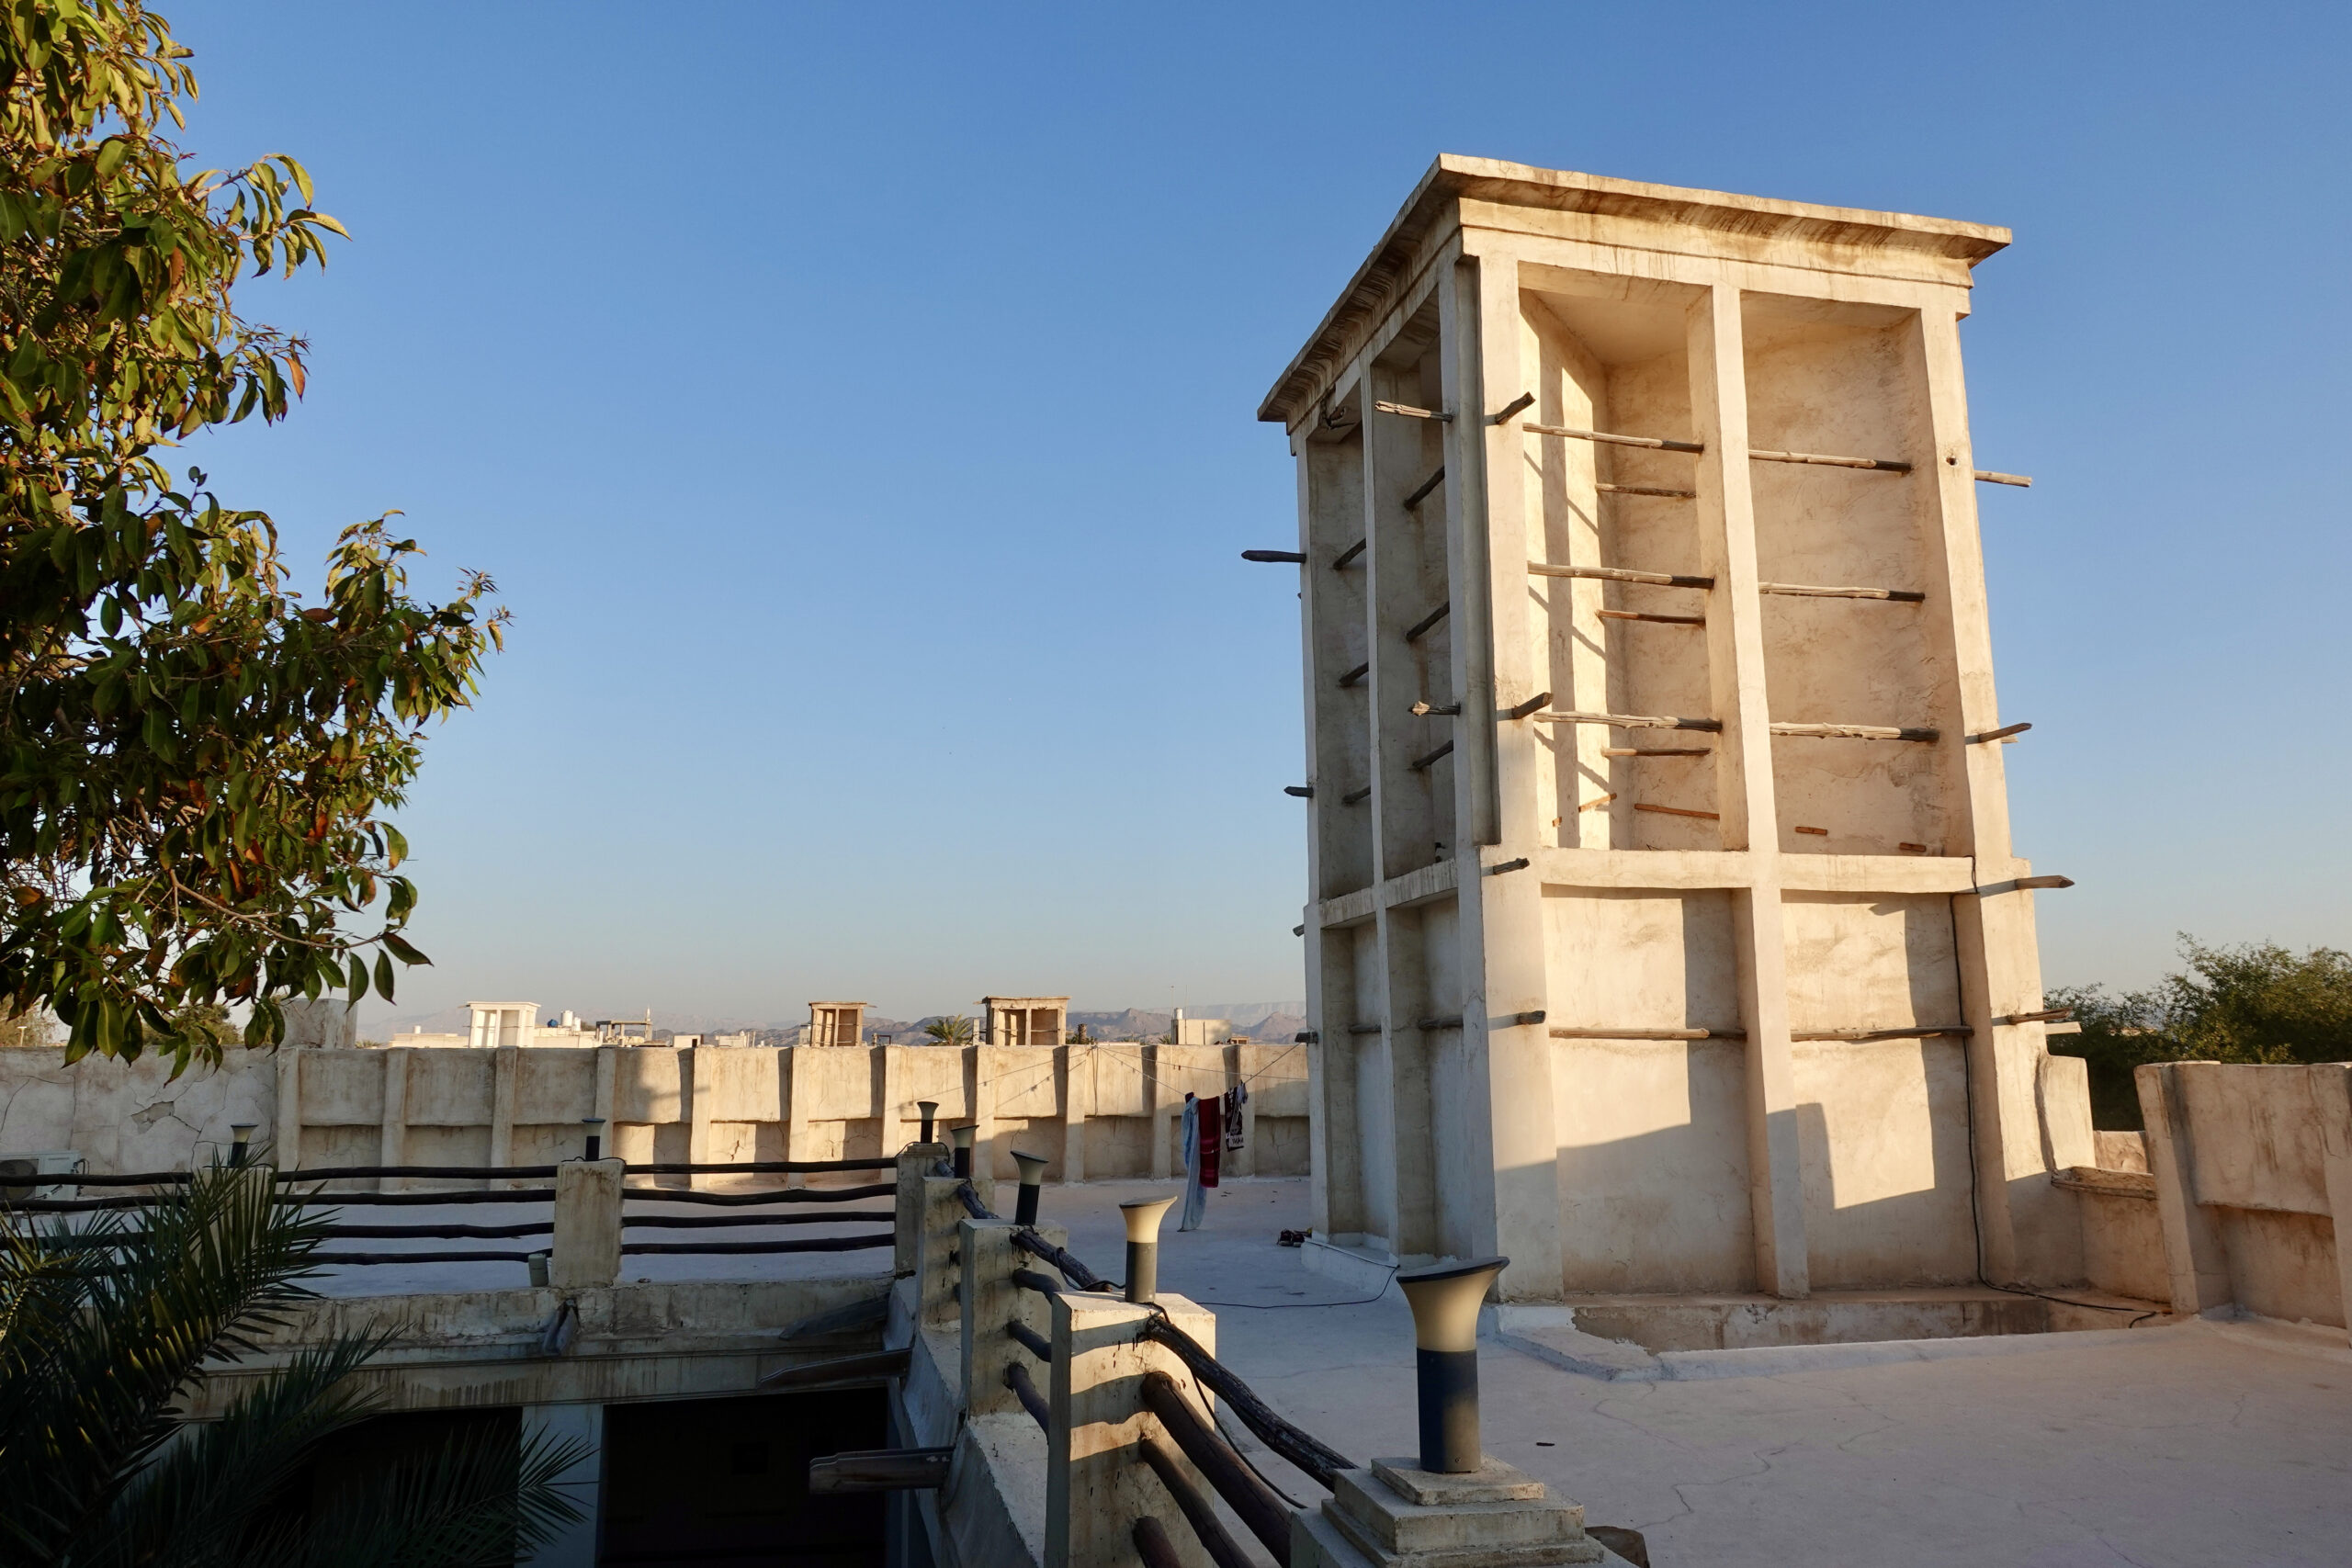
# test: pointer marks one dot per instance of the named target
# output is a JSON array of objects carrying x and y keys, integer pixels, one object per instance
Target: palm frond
[
  {"x": 479, "y": 1501},
  {"x": 101, "y": 1340},
  {"x": 195, "y": 1503}
]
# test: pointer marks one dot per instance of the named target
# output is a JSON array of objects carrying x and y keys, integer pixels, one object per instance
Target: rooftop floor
[
  {"x": 2197, "y": 1443},
  {"x": 2184, "y": 1444}
]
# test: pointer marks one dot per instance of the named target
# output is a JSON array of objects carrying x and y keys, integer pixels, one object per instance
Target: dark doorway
[{"x": 724, "y": 1482}]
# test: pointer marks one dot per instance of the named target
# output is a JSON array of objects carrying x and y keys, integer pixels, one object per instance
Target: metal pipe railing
[
  {"x": 1024, "y": 1389},
  {"x": 1223, "y": 1549},
  {"x": 1302, "y": 1447},
  {"x": 1251, "y": 1500}
]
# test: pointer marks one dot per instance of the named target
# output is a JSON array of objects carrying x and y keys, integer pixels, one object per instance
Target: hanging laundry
[
  {"x": 1195, "y": 1199},
  {"x": 1212, "y": 1137},
  {"x": 1234, "y": 1136}
]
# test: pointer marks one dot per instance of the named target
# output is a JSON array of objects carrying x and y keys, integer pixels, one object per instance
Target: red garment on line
[{"x": 1210, "y": 1115}]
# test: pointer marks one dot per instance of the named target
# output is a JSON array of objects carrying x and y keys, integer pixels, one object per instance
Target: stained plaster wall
[
  {"x": 1100, "y": 1112},
  {"x": 2253, "y": 1172}
]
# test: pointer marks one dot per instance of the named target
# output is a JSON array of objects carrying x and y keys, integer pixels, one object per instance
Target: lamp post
[
  {"x": 1033, "y": 1177},
  {"x": 1446, "y": 1298},
  {"x": 1143, "y": 1218},
  {"x": 963, "y": 1139},
  {"x": 240, "y": 1144},
  {"x": 596, "y": 1125},
  {"x": 930, "y": 1108}
]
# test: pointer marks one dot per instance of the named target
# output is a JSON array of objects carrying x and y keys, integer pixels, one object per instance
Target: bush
[{"x": 2258, "y": 1003}]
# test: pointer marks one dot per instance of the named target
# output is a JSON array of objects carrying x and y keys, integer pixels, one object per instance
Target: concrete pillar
[
  {"x": 607, "y": 1095},
  {"x": 1510, "y": 1151},
  {"x": 938, "y": 1269},
  {"x": 587, "y": 1243},
  {"x": 702, "y": 1098},
  {"x": 574, "y": 1546},
  {"x": 799, "y": 1101},
  {"x": 288, "y": 1151},
  {"x": 393, "y": 1146},
  {"x": 1077, "y": 1103},
  {"x": 505, "y": 1064},
  {"x": 2332, "y": 1093},
  {"x": 989, "y": 1299},
  {"x": 1096, "y": 1484},
  {"x": 987, "y": 1066},
  {"x": 2195, "y": 1260},
  {"x": 884, "y": 1064},
  {"x": 916, "y": 1163},
  {"x": 1744, "y": 792},
  {"x": 1245, "y": 1163},
  {"x": 1151, "y": 1060}
]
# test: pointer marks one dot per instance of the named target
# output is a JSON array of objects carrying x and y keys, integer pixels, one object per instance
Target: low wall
[
  {"x": 2252, "y": 1171},
  {"x": 1098, "y": 1111}
]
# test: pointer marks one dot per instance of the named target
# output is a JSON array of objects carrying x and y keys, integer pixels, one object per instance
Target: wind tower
[{"x": 1665, "y": 931}]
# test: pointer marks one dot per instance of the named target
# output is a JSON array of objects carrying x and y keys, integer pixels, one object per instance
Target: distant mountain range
[{"x": 1270, "y": 1022}]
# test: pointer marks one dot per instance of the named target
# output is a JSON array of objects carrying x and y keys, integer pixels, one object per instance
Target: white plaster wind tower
[
  {"x": 1024, "y": 1021},
  {"x": 836, "y": 1024},
  {"x": 1664, "y": 922},
  {"x": 502, "y": 1023}
]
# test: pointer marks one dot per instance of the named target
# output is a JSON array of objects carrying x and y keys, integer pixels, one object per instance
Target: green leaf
[
  {"x": 384, "y": 977},
  {"x": 398, "y": 947}
]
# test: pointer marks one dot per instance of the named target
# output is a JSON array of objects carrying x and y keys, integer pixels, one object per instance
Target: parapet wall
[
  {"x": 2252, "y": 1170},
  {"x": 1098, "y": 1111}
]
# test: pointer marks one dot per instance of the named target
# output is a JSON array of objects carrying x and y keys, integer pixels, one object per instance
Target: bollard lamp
[
  {"x": 1445, "y": 1299},
  {"x": 963, "y": 1140},
  {"x": 1033, "y": 1177},
  {"x": 241, "y": 1145},
  {"x": 596, "y": 1125},
  {"x": 1143, "y": 1218},
  {"x": 930, "y": 1108}
]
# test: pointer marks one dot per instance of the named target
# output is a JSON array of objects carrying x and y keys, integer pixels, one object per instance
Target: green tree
[
  {"x": 2258, "y": 1003},
  {"x": 949, "y": 1031},
  {"x": 104, "y": 1331},
  {"x": 193, "y": 763}
]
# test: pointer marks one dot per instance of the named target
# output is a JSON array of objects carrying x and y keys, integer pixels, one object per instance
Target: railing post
[
  {"x": 1450, "y": 1503},
  {"x": 990, "y": 1302},
  {"x": 916, "y": 1161},
  {"x": 936, "y": 1265},
  {"x": 587, "y": 1248},
  {"x": 1097, "y": 1483}
]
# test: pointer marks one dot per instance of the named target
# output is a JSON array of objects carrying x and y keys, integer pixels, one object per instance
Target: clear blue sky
[{"x": 856, "y": 405}]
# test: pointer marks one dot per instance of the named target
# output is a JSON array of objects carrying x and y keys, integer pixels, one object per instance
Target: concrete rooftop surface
[{"x": 2199, "y": 1443}]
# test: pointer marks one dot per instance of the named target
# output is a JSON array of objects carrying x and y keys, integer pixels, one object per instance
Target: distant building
[
  {"x": 835, "y": 1023},
  {"x": 1024, "y": 1021}
]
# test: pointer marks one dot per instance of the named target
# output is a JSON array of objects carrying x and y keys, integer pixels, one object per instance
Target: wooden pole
[
  {"x": 1855, "y": 732},
  {"x": 1620, "y": 574},
  {"x": 1650, "y": 1034},
  {"x": 1883, "y": 465},
  {"x": 1632, "y": 720},
  {"x": 1414, "y": 632},
  {"x": 1656, "y": 442},
  {"x": 1803, "y": 591},
  {"x": 1658, "y": 620}
]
